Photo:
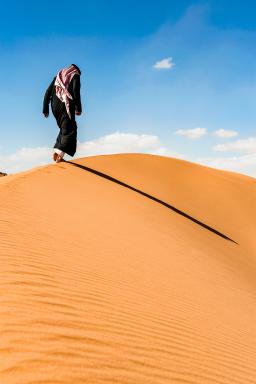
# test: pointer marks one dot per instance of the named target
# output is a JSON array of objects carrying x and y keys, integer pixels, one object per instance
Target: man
[{"x": 64, "y": 95}]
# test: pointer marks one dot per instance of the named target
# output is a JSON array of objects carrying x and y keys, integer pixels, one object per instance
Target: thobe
[{"x": 67, "y": 137}]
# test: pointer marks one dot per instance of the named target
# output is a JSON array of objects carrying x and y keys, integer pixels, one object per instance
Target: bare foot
[
  {"x": 59, "y": 159},
  {"x": 54, "y": 156}
]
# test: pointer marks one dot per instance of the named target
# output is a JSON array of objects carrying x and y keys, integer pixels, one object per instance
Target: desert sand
[{"x": 147, "y": 280}]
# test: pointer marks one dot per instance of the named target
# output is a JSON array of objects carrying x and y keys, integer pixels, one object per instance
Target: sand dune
[{"x": 127, "y": 268}]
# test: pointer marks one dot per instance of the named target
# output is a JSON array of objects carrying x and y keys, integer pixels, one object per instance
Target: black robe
[{"x": 67, "y": 137}]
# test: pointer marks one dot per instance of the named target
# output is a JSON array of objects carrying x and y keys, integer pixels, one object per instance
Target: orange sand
[{"x": 100, "y": 284}]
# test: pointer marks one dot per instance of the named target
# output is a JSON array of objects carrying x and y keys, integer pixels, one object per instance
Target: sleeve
[
  {"x": 47, "y": 97},
  {"x": 76, "y": 93}
]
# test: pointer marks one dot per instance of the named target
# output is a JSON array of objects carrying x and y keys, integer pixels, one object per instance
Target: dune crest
[{"x": 127, "y": 268}]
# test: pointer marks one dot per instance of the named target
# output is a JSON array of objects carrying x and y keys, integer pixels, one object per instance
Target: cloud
[
  {"x": 194, "y": 133},
  {"x": 225, "y": 134},
  {"x": 119, "y": 142},
  {"x": 25, "y": 158},
  {"x": 244, "y": 163},
  {"x": 243, "y": 145},
  {"x": 116, "y": 142},
  {"x": 164, "y": 64}
]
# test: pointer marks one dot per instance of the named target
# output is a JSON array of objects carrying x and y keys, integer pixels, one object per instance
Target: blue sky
[{"x": 198, "y": 103}]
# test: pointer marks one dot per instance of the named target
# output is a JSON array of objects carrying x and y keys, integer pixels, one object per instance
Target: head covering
[
  {"x": 79, "y": 70},
  {"x": 63, "y": 79}
]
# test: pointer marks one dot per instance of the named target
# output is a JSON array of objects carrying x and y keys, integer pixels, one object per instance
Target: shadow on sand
[{"x": 176, "y": 210}]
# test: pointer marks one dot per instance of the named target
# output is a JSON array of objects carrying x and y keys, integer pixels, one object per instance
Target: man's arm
[
  {"x": 76, "y": 93},
  {"x": 47, "y": 98}
]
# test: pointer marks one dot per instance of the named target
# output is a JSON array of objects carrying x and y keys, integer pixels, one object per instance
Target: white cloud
[
  {"x": 25, "y": 158},
  {"x": 243, "y": 145},
  {"x": 164, "y": 64},
  {"x": 116, "y": 142},
  {"x": 244, "y": 164},
  {"x": 194, "y": 133},
  {"x": 119, "y": 142},
  {"x": 225, "y": 134}
]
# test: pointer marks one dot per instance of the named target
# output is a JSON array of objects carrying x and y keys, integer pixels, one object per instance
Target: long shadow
[{"x": 178, "y": 211}]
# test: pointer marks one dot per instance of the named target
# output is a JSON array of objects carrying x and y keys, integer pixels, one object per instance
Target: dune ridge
[{"x": 101, "y": 284}]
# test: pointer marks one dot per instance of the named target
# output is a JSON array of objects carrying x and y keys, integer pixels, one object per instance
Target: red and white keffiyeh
[{"x": 62, "y": 82}]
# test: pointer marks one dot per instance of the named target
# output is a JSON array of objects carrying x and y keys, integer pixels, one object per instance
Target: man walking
[{"x": 64, "y": 95}]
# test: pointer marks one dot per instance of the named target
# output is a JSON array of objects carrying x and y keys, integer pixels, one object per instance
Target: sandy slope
[{"x": 102, "y": 284}]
